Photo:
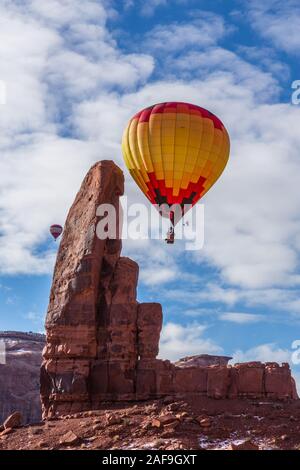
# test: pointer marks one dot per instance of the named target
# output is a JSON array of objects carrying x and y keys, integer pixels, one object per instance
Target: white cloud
[
  {"x": 205, "y": 30},
  {"x": 177, "y": 341},
  {"x": 242, "y": 318},
  {"x": 60, "y": 13},
  {"x": 154, "y": 276},
  {"x": 33, "y": 316},
  {"x": 10, "y": 301},
  {"x": 37, "y": 320},
  {"x": 266, "y": 58},
  {"x": 215, "y": 61},
  {"x": 191, "y": 295},
  {"x": 148, "y": 8},
  {"x": 5, "y": 288},
  {"x": 268, "y": 352},
  {"x": 278, "y": 22},
  {"x": 25, "y": 47},
  {"x": 157, "y": 268},
  {"x": 49, "y": 68},
  {"x": 296, "y": 376},
  {"x": 280, "y": 300},
  {"x": 34, "y": 178},
  {"x": 252, "y": 234},
  {"x": 200, "y": 311}
]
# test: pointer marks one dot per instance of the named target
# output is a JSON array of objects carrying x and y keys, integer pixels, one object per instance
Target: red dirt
[{"x": 190, "y": 423}]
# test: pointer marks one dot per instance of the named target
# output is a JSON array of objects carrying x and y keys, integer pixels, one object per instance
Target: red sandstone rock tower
[
  {"x": 102, "y": 344},
  {"x": 96, "y": 330}
]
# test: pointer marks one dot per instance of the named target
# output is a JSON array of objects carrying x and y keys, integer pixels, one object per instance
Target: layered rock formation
[
  {"x": 203, "y": 360},
  {"x": 245, "y": 380},
  {"x": 20, "y": 364},
  {"x": 102, "y": 344},
  {"x": 97, "y": 332}
]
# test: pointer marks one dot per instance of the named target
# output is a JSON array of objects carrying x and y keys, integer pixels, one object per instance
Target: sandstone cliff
[
  {"x": 97, "y": 332},
  {"x": 19, "y": 375}
]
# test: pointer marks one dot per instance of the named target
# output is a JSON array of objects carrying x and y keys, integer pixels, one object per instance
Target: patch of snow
[{"x": 224, "y": 444}]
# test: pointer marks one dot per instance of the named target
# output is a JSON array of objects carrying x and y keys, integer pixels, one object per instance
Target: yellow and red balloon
[{"x": 175, "y": 152}]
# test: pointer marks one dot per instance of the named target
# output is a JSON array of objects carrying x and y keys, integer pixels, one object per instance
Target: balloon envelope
[
  {"x": 56, "y": 230},
  {"x": 175, "y": 152}
]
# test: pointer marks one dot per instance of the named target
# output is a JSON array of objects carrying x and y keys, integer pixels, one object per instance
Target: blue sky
[{"x": 75, "y": 72}]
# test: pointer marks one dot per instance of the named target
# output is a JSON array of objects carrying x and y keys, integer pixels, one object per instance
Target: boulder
[
  {"x": 13, "y": 421},
  {"x": 248, "y": 444},
  {"x": 69, "y": 439}
]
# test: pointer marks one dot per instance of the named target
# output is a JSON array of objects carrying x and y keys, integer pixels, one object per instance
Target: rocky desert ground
[{"x": 183, "y": 424}]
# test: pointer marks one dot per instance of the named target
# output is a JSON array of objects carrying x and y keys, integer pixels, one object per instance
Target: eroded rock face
[
  {"x": 102, "y": 344},
  {"x": 203, "y": 360},
  {"x": 19, "y": 375},
  {"x": 245, "y": 380},
  {"x": 97, "y": 332},
  {"x": 278, "y": 381},
  {"x": 149, "y": 323}
]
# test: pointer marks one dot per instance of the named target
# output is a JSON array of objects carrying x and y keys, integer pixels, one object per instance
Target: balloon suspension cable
[{"x": 171, "y": 233}]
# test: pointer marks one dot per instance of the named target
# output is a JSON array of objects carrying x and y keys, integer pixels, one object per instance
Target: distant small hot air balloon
[
  {"x": 175, "y": 152},
  {"x": 56, "y": 230}
]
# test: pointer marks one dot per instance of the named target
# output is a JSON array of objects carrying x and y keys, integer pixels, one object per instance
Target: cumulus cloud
[
  {"x": 207, "y": 63},
  {"x": 278, "y": 22},
  {"x": 191, "y": 298},
  {"x": 205, "y": 30},
  {"x": 268, "y": 352},
  {"x": 49, "y": 68},
  {"x": 209, "y": 292},
  {"x": 157, "y": 275},
  {"x": 242, "y": 318},
  {"x": 146, "y": 8},
  {"x": 177, "y": 341},
  {"x": 36, "y": 321},
  {"x": 150, "y": 7}
]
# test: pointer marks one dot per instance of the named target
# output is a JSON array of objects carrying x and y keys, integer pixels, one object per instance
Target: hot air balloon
[
  {"x": 56, "y": 230},
  {"x": 175, "y": 152}
]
